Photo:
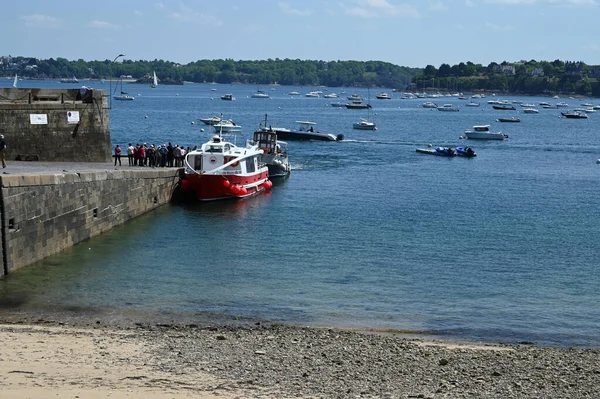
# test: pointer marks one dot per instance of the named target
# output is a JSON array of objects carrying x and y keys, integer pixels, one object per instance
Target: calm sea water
[{"x": 366, "y": 233}]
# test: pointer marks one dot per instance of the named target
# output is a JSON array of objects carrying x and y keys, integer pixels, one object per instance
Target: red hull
[{"x": 215, "y": 187}]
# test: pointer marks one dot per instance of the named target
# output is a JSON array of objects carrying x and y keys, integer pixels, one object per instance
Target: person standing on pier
[
  {"x": 118, "y": 154},
  {"x": 130, "y": 154},
  {"x": 3, "y": 150}
]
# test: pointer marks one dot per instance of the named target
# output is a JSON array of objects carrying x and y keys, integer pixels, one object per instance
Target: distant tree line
[
  {"x": 285, "y": 72},
  {"x": 524, "y": 77}
]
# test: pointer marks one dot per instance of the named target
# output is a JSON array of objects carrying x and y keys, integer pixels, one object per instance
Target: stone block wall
[
  {"x": 44, "y": 214},
  {"x": 61, "y": 138}
]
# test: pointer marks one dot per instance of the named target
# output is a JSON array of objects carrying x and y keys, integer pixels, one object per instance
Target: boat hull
[
  {"x": 207, "y": 187},
  {"x": 307, "y": 136},
  {"x": 441, "y": 152},
  {"x": 485, "y": 136}
]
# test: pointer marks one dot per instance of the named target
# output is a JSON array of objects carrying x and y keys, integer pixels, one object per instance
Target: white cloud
[
  {"x": 379, "y": 8},
  {"x": 186, "y": 14},
  {"x": 102, "y": 25},
  {"x": 40, "y": 21},
  {"x": 286, "y": 8},
  {"x": 499, "y": 27}
]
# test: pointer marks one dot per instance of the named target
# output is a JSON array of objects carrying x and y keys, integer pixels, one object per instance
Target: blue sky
[{"x": 411, "y": 33}]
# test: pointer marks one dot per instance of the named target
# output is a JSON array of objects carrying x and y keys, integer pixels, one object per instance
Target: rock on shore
[{"x": 282, "y": 361}]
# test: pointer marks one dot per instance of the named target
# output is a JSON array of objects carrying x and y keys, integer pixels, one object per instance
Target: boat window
[
  {"x": 214, "y": 148},
  {"x": 250, "y": 165},
  {"x": 227, "y": 147},
  {"x": 197, "y": 162}
]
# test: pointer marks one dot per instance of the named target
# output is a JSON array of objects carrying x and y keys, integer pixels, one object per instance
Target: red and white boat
[{"x": 221, "y": 170}]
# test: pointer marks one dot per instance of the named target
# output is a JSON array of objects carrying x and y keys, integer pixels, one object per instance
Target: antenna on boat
[{"x": 221, "y": 126}]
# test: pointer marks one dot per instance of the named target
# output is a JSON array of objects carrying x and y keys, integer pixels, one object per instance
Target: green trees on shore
[{"x": 524, "y": 77}]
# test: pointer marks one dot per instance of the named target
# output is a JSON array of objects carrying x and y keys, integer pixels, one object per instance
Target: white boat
[
  {"x": 383, "y": 96},
  {"x": 527, "y": 105},
  {"x": 227, "y": 97},
  {"x": 154, "y": 81},
  {"x": 221, "y": 170},
  {"x": 69, "y": 80},
  {"x": 312, "y": 94},
  {"x": 429, "y": 104},
  {"x": 330, "y": 95},
  {"x": 364, "y": 124},
  {"x": 530, "y": 111},
  {"x": 482, "y": 132},
  {"x": 213, "y": 120},
  {"x": 294, "y": 93},
  {"x": 260, "y": 94},
  {"x": 472, "y": 104},
  {"x": 15, "y": 81},
  {"x": 562, "y": 104},
  {"x": 447, "y": 108},
  {"x": 227, "y": 126},
  {"x": 354, "y": 97}
]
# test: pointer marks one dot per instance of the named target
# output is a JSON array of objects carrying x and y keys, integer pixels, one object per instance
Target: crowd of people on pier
[{"x": 163, "y": 155}]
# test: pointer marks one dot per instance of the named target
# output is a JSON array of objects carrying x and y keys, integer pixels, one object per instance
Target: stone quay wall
[
  {"x": 55, "y": 124},
  {"x": 47, "y": 213}
]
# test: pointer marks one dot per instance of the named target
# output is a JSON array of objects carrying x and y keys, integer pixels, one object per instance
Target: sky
[{"x": 412, "y": 33}]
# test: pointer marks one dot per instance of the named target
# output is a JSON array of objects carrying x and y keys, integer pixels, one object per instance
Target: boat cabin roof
[
  {"x": 305, "y": 123},
  {"x": 481, "y": 128},
  {"x": 217, "y": 145}
]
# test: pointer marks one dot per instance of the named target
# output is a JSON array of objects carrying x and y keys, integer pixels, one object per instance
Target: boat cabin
[
  {"x": 306, "y": 126},
  {"x": 481, "y": 128},
  {"x": 222, "y": 157}
]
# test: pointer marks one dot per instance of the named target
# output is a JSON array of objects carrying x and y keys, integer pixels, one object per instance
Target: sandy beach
[{"x": 60, "y": 359}]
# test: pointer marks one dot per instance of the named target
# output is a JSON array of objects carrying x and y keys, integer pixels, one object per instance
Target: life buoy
[{"x": 236, "y": 163}]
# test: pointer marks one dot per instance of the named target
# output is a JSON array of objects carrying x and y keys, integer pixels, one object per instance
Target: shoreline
[{"x": 91, "y": 358}]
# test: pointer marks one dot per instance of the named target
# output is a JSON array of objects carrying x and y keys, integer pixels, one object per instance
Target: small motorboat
[
  {"x": 574, "y": 115},
  {"x": 364, "y": 124},
  {"x": 213, "y": 120},
  {"x": 227, "y": 97},
  {"x": 512, "y": 119},
  {"x": 356, "y": 104},
  {"x": 482, "y": 132},
  {"x": 306, "y": 131},
  {"x": 440, "y": 151},
  {"x": 447, "y": 108},
  {"x": 465, "y": 152},
  {"x": 227, "y": 126},
  {"x": 504, "y": 107}
]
